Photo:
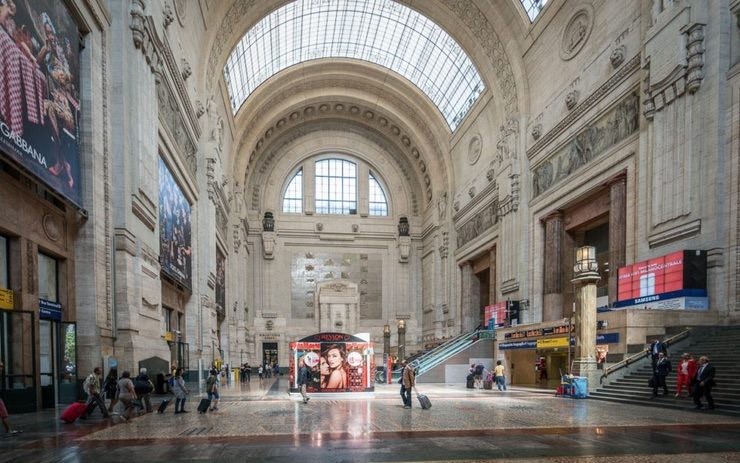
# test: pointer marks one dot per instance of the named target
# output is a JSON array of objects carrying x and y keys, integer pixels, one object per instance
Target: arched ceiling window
[
  {"x": 380, "y": 31},
  {"x": 336, "y": 187}
]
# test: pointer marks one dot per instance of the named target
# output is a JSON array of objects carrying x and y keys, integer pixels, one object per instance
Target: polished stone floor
[{"x": 260, "y": 422}]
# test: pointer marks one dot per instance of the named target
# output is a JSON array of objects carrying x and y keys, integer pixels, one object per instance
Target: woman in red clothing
[{"x": 686, "y": 371}]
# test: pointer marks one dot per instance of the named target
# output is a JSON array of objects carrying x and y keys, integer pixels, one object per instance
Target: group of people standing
[
  {"x": 115, "y": 389},
  {"x": 696, "y": 377}
]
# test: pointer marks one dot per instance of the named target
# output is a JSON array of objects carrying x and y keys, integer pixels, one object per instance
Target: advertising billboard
[
  {"x": 338, "y": 362},
  {"x": 39, "y": 92},
  {"x": 497, "y": 313},
  {"x": 681, "y": 274},
  {"x": 175, "y": 252}
]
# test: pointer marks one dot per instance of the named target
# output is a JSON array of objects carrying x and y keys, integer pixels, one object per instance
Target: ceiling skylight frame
[{"x": 379, "y": 31}]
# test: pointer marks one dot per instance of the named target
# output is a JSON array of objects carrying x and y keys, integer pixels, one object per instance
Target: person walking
[
  {"x": 126, "y": 394},
  {"x": 408, "y": 381},
  {"x": 180, "y": 391},
  {"x": 248, "y": 372},
  {"x": 685, "y": 373},
  {"x": 656, "y": 347},
  {"x": 260, "y": 371},
  {"x": 703, "y": 383},
  {"x": 92, "y": 389},
  {"x": 110, "y": 387},
  {"x": 662, "y": 369},
  {"x": 212, "y": 385},
  {"x": 499, "y": 375},
  {"x": 304, "y": 376},
  {"x": 144, "y": 387}
]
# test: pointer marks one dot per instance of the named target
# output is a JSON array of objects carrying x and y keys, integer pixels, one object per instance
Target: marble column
[
  {"x": 553, "y": 267},
  {"x": 585, "y": 324},
  {"x": 617, "y": 231}
]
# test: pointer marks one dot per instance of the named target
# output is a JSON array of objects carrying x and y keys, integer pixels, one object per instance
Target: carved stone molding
[
  {"x": 536, "y": 131},
  {"x": 444, "y": 248},
  {"x": 571, "y": 99},
  {"x": 159, "y": 56},
  {"x": 632, "y": 66},
  {"x": 144, "y": 209},
  {"x": 169, "y": 16},
  {"x": 52, "y": 226},
  {"x": 170, "y": 115},
  {"x": 617, "y": 56},
  {"x": 200, "y": 109},
  {"x": 181, "y": 10},
  {"x": 187, "y": 71},
  {"x": 481, "y": 222},
  {"x": 508, "y": 141},
  {"x": 576, "y": 33},
  {"x": 404, "y": 248}
]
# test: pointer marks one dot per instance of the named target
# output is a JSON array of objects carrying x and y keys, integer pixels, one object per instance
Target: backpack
[
  {"x": 171, "y": 381},
  {"x": 210, "y": 382},
  {"x": 87, "y": 383}
]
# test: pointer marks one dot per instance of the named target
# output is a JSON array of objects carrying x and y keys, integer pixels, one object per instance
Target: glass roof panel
[
  {"x": 380, "y": 31},
  {"x": 533, "y": 7}
]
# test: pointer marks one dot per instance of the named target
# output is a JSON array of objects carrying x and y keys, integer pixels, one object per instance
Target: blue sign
[
  {"x": 49, "y": 310},
  {"x": 607, "y": 338},
  {"x": 662, "y": 297},
  {"x": 517, "y": 345}
]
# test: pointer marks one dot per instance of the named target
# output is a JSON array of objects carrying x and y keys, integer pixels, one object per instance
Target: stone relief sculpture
[
  {"x": 576, "y": 33},
  {"x": 617, "y": 56},
  {"x": 506, "y": 147},
  {"x": 474, "y": 149},
  {"x": 589, "y": 143},
  {"x": 442, "y": 206},
  {"x": 478, "y": 224}
]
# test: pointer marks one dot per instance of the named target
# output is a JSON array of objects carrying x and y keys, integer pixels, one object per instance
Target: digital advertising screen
[
  {"x": 175, "y": 251},
  {"x": 40, "y": 92}
]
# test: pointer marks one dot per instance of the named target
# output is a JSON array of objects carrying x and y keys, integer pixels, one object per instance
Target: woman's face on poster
[
  {"x": 323, "y": 366},
  {"x": 334, "y": 358}
]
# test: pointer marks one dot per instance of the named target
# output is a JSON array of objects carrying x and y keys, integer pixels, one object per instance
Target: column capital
[
  {"x": 553, "y": 215},
  {"x": 619, "y": 179}
]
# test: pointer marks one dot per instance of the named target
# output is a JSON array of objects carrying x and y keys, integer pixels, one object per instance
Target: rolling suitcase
[
  {"x": 470, "y": 384},
  {"x": 488, "y": 384},
  {"x": 424, "y": 401},
  {"x": 74, "y": 411},
  {"x": 203, "y": 405},
  {"x": 163, "y": 406}
]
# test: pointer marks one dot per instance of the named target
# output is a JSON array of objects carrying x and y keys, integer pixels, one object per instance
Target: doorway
[
  {"x": 269, "y": 353},
  {"x": 57, "y": 362},
  {"x": 18, "y": 352}
]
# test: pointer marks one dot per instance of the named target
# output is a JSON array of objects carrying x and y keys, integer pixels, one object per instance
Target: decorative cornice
[
  {"x": 491, "y": 188},
  {"x": 632, "y": 66}
]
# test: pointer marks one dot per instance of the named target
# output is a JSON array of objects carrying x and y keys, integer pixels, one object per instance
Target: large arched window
[
  {"x": 293, "y": 198},
  {"x": 383, "y": 32},
  {"x": 336, "y": 187}
]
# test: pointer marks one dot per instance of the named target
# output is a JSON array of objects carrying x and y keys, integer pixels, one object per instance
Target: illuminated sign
[
  {"x": 645, "y": 281},
  {"x": 549, "y": 343}
]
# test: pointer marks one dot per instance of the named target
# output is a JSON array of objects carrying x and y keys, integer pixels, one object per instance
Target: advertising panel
[
  {"x": 496, "y": 312},
  {"x": 674, "y": 277},
  {"x": 338, "y": 362},
  {"x": 174, "y": 229},
  {"x": 39, "y": 92}
]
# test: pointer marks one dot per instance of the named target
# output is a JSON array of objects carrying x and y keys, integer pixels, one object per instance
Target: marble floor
[{"x": 259, "y": 421}]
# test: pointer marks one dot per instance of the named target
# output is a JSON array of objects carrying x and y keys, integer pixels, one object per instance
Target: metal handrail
[
  {"x": 642, "y": 354},
  {"x": 430, "y": 359}
]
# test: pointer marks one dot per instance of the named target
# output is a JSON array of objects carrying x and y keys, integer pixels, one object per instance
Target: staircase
[
  {"x": 439, "y": 354},
  {"x": 720, "y": 344}
]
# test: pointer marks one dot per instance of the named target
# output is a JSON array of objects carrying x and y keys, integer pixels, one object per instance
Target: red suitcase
[{"x": 74, "y": 411}]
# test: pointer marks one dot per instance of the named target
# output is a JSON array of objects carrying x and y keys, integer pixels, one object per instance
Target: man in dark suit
[
  {"x": 662, "y": 368},
  {"x": 656, "y": 347},
  {"x": 703, "y": 383}
]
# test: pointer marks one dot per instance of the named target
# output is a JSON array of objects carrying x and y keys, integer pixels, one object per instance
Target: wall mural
[
  {"x": 309, "y": 268},
  {"x": 588, "y": 144},
  {"x": 39, "y": 92},
  {"x": 174, "y": 229},
  {"x": 479, "y": 223}
]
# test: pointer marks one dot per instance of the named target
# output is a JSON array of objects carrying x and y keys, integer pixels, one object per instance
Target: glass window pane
[
  {"x": 293, "y": 199},
  {"x": 378, "y": 203},
  {"x": 47, "y": 278},
  {"x": 336, "y": 190},
  {"x": 383, "y": 32}
]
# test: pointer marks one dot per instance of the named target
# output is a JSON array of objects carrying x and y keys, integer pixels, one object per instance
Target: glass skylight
[
  {"x": 380, "y": 31},
  {"x": 533, "y": 7}
]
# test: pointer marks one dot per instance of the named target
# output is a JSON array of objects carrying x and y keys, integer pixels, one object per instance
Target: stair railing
[
  {"x": 439, "y": 354},
  {"x": 642, "y": 354}
]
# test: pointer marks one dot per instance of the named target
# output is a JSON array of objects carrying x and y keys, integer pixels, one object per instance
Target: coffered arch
[{"x": 402, "y": 118}]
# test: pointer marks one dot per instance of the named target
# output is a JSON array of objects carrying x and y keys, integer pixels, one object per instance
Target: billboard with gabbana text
[{"x": 39, "y": 92}]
